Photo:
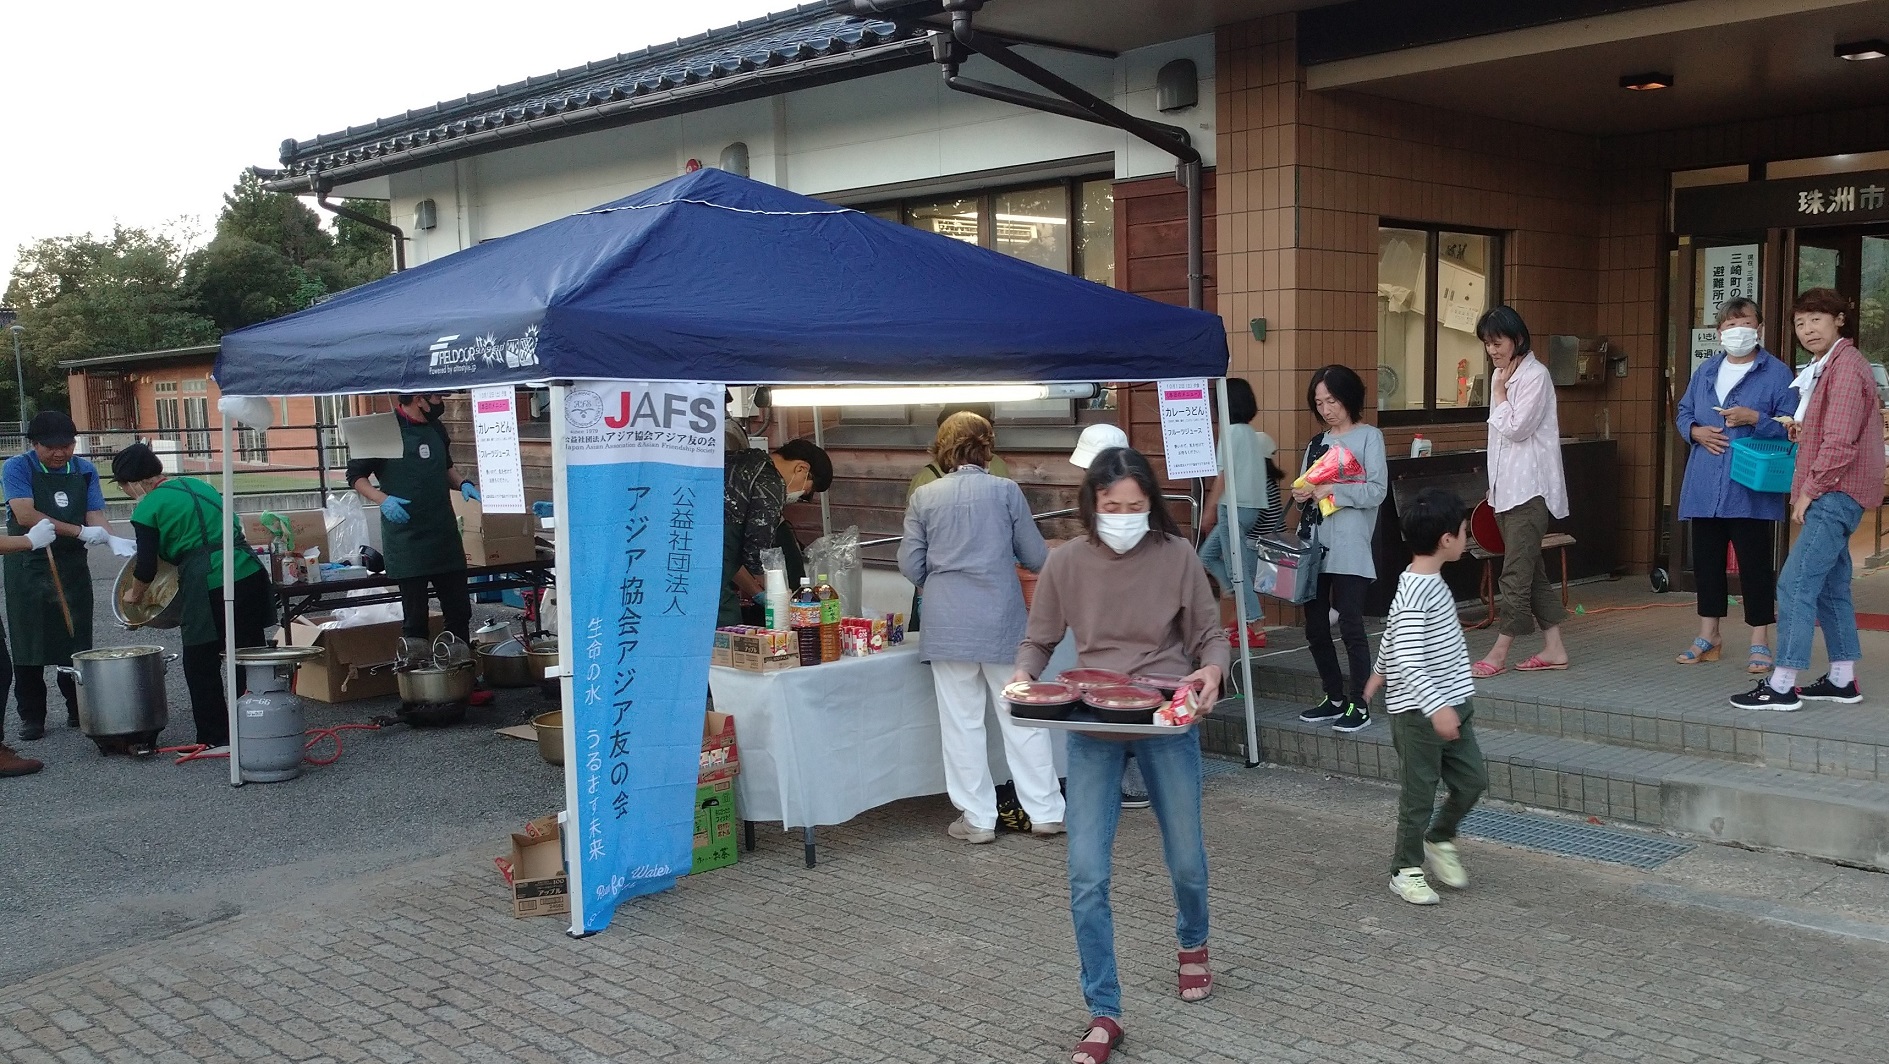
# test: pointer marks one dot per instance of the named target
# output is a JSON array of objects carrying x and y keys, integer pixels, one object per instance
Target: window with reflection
[{"x": 1433, "y": 284}]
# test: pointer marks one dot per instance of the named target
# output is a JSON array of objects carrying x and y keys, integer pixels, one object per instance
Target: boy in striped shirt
[{"x": 1423, "y": 666}]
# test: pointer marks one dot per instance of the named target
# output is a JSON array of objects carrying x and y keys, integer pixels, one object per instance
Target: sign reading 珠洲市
[
  {"x": 643, "y": 520},
  {"x": 1828, "y": 199}
]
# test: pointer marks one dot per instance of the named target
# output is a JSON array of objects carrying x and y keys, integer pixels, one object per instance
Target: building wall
[{"x": 904, "y": 126}]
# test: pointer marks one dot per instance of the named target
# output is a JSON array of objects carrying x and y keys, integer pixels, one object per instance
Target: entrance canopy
[{"x": 713, "y": 277}]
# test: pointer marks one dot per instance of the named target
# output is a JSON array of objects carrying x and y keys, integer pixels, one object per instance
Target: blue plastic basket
[{"x": 1763, "y": 465}]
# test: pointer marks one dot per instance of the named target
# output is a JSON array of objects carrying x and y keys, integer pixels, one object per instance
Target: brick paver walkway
[{"x": 905, "y": 946}]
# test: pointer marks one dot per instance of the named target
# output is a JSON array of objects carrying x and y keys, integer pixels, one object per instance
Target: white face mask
[
  {"x": 796, "y": 496},
  {"x": 1121, "y": 531},
  {"x": 1739, "y": 340}
]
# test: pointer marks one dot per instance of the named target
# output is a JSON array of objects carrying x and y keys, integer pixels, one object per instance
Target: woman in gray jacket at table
[{"x": 965, "y": 535}]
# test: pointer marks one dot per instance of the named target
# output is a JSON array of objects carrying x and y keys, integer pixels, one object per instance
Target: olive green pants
[
  {"x": 1524, "y": 597},
  {"x": 1425, "y": 759}
]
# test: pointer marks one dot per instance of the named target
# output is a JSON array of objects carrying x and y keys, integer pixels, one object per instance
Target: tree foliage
[{"x": 145, "y": 290}]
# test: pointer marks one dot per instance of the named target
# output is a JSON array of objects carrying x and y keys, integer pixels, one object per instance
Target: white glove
[
  {"x": 92, "y": 535},
  {"x": 124, "y": 548},
  {"x": 41, "y": 535}
]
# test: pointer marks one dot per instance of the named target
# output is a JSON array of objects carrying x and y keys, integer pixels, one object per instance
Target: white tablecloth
[{"x": 822, "y": 744}]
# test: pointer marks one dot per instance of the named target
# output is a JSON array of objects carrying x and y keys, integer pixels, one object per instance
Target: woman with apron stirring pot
[{"x": 178, "y": 519}]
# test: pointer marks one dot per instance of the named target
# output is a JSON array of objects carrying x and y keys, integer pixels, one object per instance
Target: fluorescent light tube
[{"x": 923, "y": 394}]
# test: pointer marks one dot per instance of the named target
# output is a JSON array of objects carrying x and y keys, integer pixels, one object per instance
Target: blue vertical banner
[{"x": 643, "y": 528}]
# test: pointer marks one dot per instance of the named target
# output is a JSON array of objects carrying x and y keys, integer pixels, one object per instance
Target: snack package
[
  {"x": 855, "y": 637},
  {"x": 1183, "y": 709},
  {"x": 895, "y": 629},
  {"x": 881, "y": 633},
  {"x": 1336, "y": 466}
]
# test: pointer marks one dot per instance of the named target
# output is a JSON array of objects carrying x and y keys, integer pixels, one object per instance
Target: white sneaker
[
  {"x": 1046, "y": 830},
  {"x": 1447, "y": 866},
  {"x": 1410, "y": 885},
  {"x": 962, "y": 829}
]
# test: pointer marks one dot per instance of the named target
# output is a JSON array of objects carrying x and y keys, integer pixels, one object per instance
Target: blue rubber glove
[
  {"x": 541, "y": 509},
  {"x": 394, "y": 508},
  {"x": 468, "y": 491}
]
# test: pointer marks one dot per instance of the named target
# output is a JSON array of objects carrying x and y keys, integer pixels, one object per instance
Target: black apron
[
  {"x": 39, "y": 632},
  {"x": 429, "y": 542}
]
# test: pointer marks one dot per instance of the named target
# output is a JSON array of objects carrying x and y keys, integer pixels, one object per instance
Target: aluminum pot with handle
[
  {"x": 506, "y": 665},
  {"x": 121, "y": 690}
]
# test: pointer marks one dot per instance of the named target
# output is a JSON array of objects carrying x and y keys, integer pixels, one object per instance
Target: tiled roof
[{"x": 810, "y": 43}]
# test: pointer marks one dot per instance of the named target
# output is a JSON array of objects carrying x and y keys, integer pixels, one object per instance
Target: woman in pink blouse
[{"x": 1526, "y": 489}]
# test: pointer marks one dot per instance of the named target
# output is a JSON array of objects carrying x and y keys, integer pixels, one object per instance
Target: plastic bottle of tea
[
  {"x": 804, "y": 617},
  {"x": 830, "y": 610}
]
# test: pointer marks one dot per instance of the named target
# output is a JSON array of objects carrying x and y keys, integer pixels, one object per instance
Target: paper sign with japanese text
[
  {"x": 495, "y": 438},
  {"x": 1187, "y": 428},
  {"x": 643, "y": 467}
]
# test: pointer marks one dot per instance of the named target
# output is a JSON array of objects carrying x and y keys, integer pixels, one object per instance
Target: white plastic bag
[
  {"x": 348, "y": 527},
  {"x": 837, "y": 556}
]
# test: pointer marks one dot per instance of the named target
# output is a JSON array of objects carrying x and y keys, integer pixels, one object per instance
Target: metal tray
[{"x": 1081, "y": 722}]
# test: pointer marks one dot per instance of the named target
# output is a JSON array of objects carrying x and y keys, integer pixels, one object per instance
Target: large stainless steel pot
[
  {"x": 506, "y": 665},
  {"x": 162, "y": 606},
  {"x": 436, "y": 686},
  {"x": 121, "y": 690}
]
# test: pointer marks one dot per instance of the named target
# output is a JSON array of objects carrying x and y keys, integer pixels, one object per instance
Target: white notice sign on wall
[
  {"x": 1730, "y": 273},
  {"x": 495, "y": 435},
  {"x": 1187, "y": 428}
]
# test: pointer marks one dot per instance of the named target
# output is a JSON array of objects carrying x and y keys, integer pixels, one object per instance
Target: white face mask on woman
[
  {"x": 1739, "y": 340},
  {"x": 1121, "y": 531}
]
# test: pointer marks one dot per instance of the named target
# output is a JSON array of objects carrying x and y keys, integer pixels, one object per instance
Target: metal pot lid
[
  {"x": 511, "y": 648},
  {"x": 116, "y": 653},
  {"x": 277, "y": 655}
]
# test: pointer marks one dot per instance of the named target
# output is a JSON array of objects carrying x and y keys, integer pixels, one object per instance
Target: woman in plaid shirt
[{"x": 1838, "y": 431}]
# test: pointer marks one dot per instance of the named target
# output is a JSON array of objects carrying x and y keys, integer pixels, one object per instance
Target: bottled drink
[
  {"x": 804, "y": 614},
  {"x": 829, "y": 620}
]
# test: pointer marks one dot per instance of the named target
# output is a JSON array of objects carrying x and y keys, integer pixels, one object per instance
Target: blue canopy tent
[{"x": 715, "y": 278}]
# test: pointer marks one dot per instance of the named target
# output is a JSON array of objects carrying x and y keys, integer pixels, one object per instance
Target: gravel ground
[{"x": 105, "y": 852}]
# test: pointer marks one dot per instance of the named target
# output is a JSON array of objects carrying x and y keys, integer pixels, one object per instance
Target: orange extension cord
[{"x": 199, "y": 752}]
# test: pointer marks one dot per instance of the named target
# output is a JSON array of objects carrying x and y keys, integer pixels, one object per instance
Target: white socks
[
  {"x": 1842, "y": 672},
  {"x": 1784, "y": 680}
]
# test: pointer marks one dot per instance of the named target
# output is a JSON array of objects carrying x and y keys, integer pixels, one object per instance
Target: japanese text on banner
[
  {"x": 495, "y": 438},
  {"x": 1187, "y": 428},
  {"x": 644, "y": 470}
]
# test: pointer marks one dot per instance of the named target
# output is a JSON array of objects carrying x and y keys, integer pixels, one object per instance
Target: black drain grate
[{"x": 1572, "y": 839}]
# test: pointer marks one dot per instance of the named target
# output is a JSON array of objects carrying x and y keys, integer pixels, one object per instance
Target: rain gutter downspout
[
  {"x": 352, "y": 215},
  {"x": 1073, "y": 101}
]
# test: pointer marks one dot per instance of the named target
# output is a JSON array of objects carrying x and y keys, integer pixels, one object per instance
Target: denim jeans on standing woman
[
  {"x": 1171, "y": 767},
  {"x": 1213, "y": 555},
  {"x": 1814, "y": 586}
]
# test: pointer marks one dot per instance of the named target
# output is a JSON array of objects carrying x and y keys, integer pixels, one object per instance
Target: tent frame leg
[
  {"x": 572, "y": 829},
  {"x": 229, "y": 607}
]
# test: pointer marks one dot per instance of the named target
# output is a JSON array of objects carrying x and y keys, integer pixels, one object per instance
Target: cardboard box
[
  {"x": 339, "y": 675},
  {"x": 309, "y": 527},
  {"x": 715, "y": 845},
  {"x": 494, "y": 539},
  {"x": 721, "y": 758},
  {"x": 540, "y": 884},
  {"x": 763, "y": 650},
  {"x": 723, "y": 651}
]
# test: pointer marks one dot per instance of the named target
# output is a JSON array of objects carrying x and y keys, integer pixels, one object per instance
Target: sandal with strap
[
  {"x": 1097, "y": 1049},
  {"x": 1760, "y": 661},
  {"x": 1203, "y": 981},
  {"x": 1702, "y": 649}
]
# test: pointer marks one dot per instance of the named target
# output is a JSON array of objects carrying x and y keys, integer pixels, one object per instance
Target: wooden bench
[{"x": 1556, "y": 541}]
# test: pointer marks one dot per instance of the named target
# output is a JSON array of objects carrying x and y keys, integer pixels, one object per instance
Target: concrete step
[
  {"x": 1722, "y": 800},
  {"x": 1670, "y": 712}
]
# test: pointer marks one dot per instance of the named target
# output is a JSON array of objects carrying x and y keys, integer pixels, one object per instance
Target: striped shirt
[{"x": 1423, "y": 657}]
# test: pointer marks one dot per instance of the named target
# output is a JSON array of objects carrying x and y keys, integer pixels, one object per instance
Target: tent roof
[{"x": 713, "y": 277}]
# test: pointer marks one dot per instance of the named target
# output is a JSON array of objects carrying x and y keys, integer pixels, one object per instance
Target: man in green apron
[
  {"x": 419, "y": 533},
  {"x": 48, "y": 482},
  {"x": 39, "y": 537},
  {"x": 180, "y": 521}
]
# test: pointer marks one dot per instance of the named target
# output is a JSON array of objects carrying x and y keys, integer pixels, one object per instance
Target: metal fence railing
[{"x": 284, "y": 459}]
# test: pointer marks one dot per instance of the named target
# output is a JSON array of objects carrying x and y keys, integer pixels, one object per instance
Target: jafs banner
[{"x": 643, "y": 536}]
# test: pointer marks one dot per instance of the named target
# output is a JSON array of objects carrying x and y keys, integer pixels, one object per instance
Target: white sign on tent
[{"x": 1187, "y": 428}]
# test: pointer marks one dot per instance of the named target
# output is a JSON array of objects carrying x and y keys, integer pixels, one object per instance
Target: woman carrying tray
[
  {"x": 1138, "y": 601},
  {"x": 1739, "y": 393}
]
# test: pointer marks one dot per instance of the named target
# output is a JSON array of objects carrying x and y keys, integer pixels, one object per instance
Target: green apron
[
  {"x": 429, "y": 542},
  {"x": 193, "y": 574},
  {"x": 38, "y": 630}
]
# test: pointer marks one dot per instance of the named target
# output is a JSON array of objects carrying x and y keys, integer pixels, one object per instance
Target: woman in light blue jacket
[
  {"x": 965, "y": 535},
  {"x": 1336, "y": 396},
  {"x": 1737, "y": 394}
]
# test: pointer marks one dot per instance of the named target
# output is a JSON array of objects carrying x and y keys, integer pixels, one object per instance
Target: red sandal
[
  {"x": 1195, "y": 982},
  {"x": 1098, "y": 1050}
]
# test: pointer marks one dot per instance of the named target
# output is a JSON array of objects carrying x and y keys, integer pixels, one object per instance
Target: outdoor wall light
[
  {"x": 1646, "y": 82},
  {"x": 920, "y": 394},
  {"x": 1858, "y": 50}
]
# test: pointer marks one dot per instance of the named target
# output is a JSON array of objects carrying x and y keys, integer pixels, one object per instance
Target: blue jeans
[
  {"x": 1171, "y": 767},
  {"x": 1814, "y": 585},
  {"x": 1213, "y": 555}
]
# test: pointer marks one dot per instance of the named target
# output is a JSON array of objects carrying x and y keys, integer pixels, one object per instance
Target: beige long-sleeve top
[{"x": 1148, "y": 611}]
